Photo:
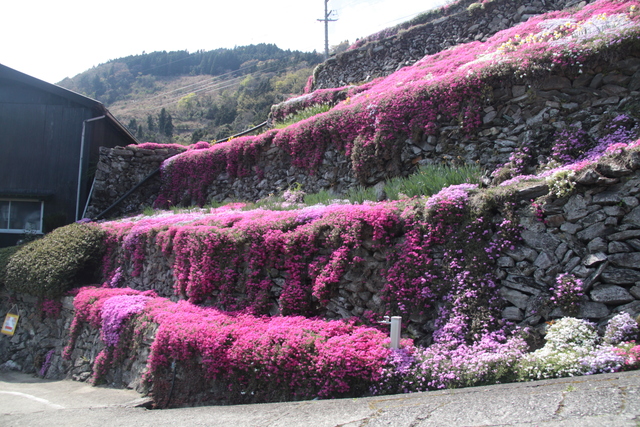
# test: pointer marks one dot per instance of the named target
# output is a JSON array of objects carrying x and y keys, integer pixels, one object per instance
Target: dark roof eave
[
  {"x": 119, "y": 126},
  {"x": 97, "y": 106}
]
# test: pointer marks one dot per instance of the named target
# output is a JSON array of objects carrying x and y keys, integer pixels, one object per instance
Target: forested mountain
[{"x": 185, "y": 97}]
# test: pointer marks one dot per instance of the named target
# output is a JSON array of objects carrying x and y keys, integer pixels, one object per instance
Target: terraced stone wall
[
  {"x": 119, "y": 170},
  {"x": 592, "y": 235},
  {"x": 462, "y": 22},
  {"x": 519, "y": 115},
  {"x": 41, "y": 336}
]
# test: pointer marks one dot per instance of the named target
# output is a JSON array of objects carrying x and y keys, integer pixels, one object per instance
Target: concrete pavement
[{"x": 599, "y": 400}]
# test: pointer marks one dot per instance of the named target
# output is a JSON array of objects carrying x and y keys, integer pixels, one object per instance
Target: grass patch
[
  {"x": 427, "y": 181},
  {"x": 361, "y": 194},
  {"x": 303, "y": 115},
  {"x": 431, "y": 179},
  {"x": 324, "y": 197}
]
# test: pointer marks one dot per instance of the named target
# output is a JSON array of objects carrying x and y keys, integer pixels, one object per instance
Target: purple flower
[
  {"x": 115, "y": 311},
  {"x": 620, "y": 328},
  {"x": 47, "y": 363}
]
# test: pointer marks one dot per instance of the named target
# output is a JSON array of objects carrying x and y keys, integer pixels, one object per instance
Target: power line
[
  {"x": 203, "y": 80},
  {"x": 206, "y": 88}
]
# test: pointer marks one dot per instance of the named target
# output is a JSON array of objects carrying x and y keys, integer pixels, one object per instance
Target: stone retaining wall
[
  {"x": 39, "y": 333},
  {"x": 594, "y": 235},
  {"x": 462, "y": 22},
  {"x": 119, "y": 170},
  {"x": 518, "y": 114}
]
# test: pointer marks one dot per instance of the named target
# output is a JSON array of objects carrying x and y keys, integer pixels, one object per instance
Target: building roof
[{"x": 17, "y": 76}]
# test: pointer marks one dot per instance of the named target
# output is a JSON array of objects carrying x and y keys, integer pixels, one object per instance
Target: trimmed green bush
[
  {"x": 5, "y": 256},
  {"x": 50, "y": 266}
]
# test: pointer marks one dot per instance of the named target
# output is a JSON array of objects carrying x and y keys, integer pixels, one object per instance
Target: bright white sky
[{"x": 51, "y": 39}]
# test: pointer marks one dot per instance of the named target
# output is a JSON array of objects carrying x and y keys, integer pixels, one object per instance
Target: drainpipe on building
[{"x": 82, "y": 142}]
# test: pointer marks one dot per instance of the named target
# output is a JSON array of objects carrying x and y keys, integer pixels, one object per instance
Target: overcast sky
[{"x": 51, "y": 39}]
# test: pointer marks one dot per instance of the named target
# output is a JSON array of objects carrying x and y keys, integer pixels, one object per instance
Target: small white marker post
[{"x": 396, "y": 323}]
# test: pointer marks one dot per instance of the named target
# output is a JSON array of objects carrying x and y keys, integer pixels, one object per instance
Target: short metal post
[{"x": 396, "y": 322}]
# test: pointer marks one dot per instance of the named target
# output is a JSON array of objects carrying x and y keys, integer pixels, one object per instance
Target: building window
[{"x": 21, "y": 216}]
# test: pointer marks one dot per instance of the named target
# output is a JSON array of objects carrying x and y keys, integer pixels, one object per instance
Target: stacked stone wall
[
  {"x": 463, "y": 22},
  {"x": 39, "y": 333},
  {"x": 119, "y": 170},
  {"x": 592, "y": 234},
  {"x": 518, "y": 113}
]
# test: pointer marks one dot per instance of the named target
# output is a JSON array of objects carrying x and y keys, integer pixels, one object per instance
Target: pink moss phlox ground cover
[
  {"x": 291, "y": 353},
  {"x": 329, "y": 96},
  {"x": 88, "y": 305},
  {"x": 488, "y": 360},
  {"x": 186, "y": 176},
  {"x": 224, "y": 256},
  {"x": 115, "y": 311},
  {"x": 47, "y": 363},
  {"x": 209, "y": 250},
  {"x": 372, "y": 123},
  {"x": 606, "y": 146},
  {"x": 463, "y": 285},
  {"x": 294, "y": 356},
  {"x": 51, "y": 308}
]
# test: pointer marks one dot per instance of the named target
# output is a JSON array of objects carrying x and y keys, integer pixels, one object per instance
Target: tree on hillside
[
  {"x": 151, "y": 125},
  {"x": 198, "y": 135},
  {"x": 162, "y": 120},
  {"x": 133, "y": 126},
  {"x": 168, "y": 126},
  {"x": 187, "y": 105},
  {"x": 98, "y": 87}
]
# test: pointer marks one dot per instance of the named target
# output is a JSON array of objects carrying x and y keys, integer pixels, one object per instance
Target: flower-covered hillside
[
  {"x": 477, "y": 275},
  {"x": 531, "y": 272},
  {"x": 233, "y": 358},
  {"x": 447, "y": 94},
  {"x": 379, "y": 258}
]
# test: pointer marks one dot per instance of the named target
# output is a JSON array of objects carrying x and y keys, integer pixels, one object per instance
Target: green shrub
[
  {"x": 50, "y": 266},
  {"x": 475, "y": 7},
  {"x": 5, "y": 256}
]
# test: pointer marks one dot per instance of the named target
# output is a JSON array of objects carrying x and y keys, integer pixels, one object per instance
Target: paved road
[{"x": 599, "y": 400}]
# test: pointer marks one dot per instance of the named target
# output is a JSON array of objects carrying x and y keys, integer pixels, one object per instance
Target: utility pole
[{"x": 326, "y": 20}]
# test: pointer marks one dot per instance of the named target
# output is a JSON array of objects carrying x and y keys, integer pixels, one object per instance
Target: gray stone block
[
  {"x": 512, "y": 313},
  {"x": 626, "y": 260},
  {"x": 620, "y": 276},
  {"x": 516, "y": 298},
  {"x": 611, "y": 294}
]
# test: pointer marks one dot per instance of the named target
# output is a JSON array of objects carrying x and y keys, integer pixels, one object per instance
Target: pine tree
[
  {"x": 162, "y": 121},
  {"x": 151, "y": 125},
  {"x": 133, "y": 125},
  {"x": 168, "y": 127}
]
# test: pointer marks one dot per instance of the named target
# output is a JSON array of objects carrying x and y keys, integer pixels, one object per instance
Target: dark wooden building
[{"x": 49, "y": 140}]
